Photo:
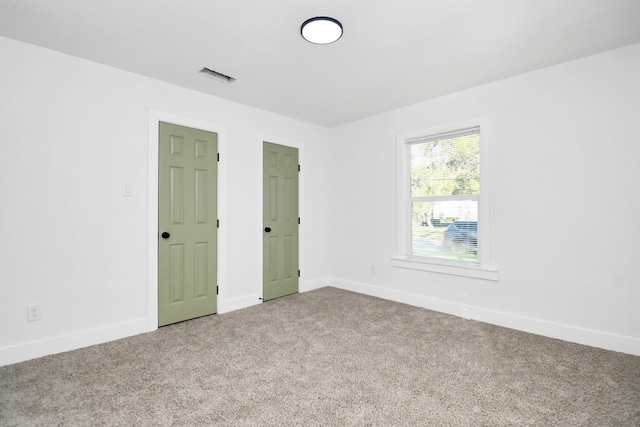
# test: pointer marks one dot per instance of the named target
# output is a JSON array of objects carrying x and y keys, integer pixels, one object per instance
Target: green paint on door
[
  {"x": 280, "y": 220},
  {"x": 187, "y": 221}
]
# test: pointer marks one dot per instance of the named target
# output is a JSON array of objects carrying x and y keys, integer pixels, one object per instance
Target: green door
[
  {"x": 187, "y": 221},
  {"x": 280, "y": 214}
]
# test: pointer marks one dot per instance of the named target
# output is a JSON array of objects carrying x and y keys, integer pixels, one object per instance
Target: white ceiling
[{"x": 392, "y": 53}]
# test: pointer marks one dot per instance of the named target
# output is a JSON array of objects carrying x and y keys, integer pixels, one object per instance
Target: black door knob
[
  {"x": 267, "y": 229},
  {"x": 165, "y": 235}
]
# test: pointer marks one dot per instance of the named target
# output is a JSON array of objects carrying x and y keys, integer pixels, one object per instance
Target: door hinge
[
  {"x": 298, "y": 220},
  {"x": 218, "y": 156},
  {"x": 217, "y": 287},
  {"x": 298, "y": 273},
  {"x": 298, "y": 168},
  {"x": 218, "y": 223}
]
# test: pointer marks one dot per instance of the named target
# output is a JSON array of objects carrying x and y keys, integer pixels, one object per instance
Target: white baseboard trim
[
  {"x": 311, "y": 285},
  {"x": 228, "y": 305},
  {"x": 39, "y": 348},
  {"x": 590, "y": 337},
  {"x": 608, "y": 341}
]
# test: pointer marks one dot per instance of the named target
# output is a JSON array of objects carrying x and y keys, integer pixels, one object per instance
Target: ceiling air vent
[{"x": 216, "y": 75}]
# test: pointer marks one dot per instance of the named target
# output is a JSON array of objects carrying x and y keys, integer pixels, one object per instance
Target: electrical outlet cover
[{"x": 34, "y": 312}]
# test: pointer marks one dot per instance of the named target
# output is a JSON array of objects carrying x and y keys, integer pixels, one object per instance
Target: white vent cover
[{"x": 216, "y": 75}]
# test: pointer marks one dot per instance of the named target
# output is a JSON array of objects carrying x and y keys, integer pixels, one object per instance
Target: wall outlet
[
  {"x": 372, "y": 270},
  {"x": 34, "y": 312}
]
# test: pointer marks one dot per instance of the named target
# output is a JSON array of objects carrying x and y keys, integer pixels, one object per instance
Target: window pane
[
  {"x": 446, "y": 167},
  {"x": 445, "y": 229}
]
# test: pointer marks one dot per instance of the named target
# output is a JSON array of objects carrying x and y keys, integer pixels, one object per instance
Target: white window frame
[{"x": 482, "y": 268}]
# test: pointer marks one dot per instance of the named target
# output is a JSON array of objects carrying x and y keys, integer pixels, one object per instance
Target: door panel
[
  {"x": 187, "y": 211},
  {"x": 177, "y": 274},
  {"x": 177, "y": 196},
  {"x": 280, "y": 217},
  {"x": 201, "y": 274}
]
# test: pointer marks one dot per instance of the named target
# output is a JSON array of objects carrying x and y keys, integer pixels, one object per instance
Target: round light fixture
[{"x": 321, "y": 30}]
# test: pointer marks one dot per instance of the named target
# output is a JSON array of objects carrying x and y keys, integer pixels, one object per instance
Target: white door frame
[
  {"x": 155, "y": 117},
  {"x": 260, "y": 214}
]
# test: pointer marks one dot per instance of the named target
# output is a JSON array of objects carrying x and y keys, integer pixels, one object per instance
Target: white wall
[
  {"x": 565, "y": 203},
  {"x": 72, "y": 133},
  {"x": 563, "y": 139}
]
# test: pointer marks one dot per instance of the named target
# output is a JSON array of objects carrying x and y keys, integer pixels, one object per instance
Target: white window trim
[{"x": 483, "y": 268}]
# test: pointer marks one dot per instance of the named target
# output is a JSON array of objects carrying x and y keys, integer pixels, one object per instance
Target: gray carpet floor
[{"x": 326, "y": 358}]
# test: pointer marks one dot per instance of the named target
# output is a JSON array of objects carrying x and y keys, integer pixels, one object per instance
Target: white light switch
[{"x": 127, "y": 189}]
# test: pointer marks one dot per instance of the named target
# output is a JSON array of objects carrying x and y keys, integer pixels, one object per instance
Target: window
[
  {"x": 444, "y": 194},
  {"x": 443, "y": 189}
]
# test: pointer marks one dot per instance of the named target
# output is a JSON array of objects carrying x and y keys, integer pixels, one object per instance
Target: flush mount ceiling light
[{"x": 321, "y": 30}]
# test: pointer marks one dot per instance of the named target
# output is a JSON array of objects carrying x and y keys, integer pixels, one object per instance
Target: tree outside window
[{"x": 445, "y": 192}]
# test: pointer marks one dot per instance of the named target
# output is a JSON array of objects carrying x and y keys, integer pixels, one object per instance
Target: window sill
[{"x": 473, "y": 271}]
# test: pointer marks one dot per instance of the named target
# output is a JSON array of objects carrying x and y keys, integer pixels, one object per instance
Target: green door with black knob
[
  {"x": 280, "y": 221},
  {"x": 187, "y": 221}
]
